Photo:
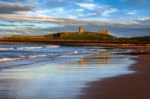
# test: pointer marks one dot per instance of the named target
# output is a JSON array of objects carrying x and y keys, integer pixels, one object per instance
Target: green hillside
[{"x": 77, "y": 37}]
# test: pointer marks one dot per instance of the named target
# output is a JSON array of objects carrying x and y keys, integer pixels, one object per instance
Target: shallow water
[{"x": 55, "y": 72}]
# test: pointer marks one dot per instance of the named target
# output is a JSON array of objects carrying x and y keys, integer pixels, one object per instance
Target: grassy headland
[{"x": 75, "y": 38}]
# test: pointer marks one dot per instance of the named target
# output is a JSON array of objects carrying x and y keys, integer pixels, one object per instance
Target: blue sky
[{"x": 39, "y": 17}]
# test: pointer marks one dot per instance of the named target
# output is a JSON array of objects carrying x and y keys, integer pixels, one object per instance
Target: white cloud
[
  {"x": 133, "y": 12},
  {"x": 75, "y": 9},
  {"x": 68, "y": 21},
  {"x": 98, "y": 9},
  {"x": 110, "y": 11},
  {"x": 89, "y": 6},
  {"x": 145, "y": 19}
]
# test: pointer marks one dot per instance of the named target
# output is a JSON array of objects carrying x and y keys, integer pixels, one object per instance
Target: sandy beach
[
  {"x": 129, "y": 86},
  {"x": 65, "y": 72}
]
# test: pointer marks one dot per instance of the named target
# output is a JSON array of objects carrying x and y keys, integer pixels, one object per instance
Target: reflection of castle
[
  {"x": 105, "y": 57},
  {"x": 101, "y": 58},
  {"x": 102, "y": 32},
  {"x": 82, "y": 62}
]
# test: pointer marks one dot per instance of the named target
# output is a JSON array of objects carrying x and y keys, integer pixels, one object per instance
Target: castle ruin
[
  {"x": 104, "y": 32},
  {"x": 81, "y": 29},
  {"x": 101, "y": 32}
]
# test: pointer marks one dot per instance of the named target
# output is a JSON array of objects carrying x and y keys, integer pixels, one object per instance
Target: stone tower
[
  {"x": 81, "y": 29},
  {"x": 104, "y": 32}
]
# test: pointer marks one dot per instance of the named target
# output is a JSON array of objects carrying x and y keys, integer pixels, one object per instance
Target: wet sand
[{"x": 129, "y": 86}]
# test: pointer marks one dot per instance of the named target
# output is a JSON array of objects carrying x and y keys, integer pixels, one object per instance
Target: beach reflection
[
  {"x": 60, "y": 80},
  {"x": 100, "y": 58}
]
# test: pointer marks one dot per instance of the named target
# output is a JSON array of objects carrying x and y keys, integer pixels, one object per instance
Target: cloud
[
  {"x": 144, "y": 19},
  {"x": 137, "y": 2},
  {"x": 89, "y": 6},
  {"x": 76, "y": 9},
  {"x": 63, "y": 21},
  {"x": 100, "y": 10},
  {"x": 14, "y": 8},
  {"x": 109, "y": 11},
  {"x": 13, "y": 1},
  {"x": 68, "y": 21},
  {"x": 62, "y": 12},
  {"x": 133, "y": 12},
  {"x": 15, "y": 17},
  {"x": 63, "y": 3}
]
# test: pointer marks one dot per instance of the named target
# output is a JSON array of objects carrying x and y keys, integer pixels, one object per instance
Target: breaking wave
[
  {"x": 8, "y": 59},
  {"x": 5, "y": 59},
  {"x": 6, "y": 49},
  {"x": 29, "y": 47}
]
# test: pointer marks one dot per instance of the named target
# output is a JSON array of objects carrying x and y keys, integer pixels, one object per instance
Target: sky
[{"x": 124, "y": 18}]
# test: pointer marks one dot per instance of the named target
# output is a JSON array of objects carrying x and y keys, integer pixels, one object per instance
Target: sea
[{"x": 45, "y": 71}]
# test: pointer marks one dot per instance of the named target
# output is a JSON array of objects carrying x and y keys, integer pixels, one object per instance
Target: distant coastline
[
  {"x": 75, "y": 38},
  {"x": 81, "y": 38}
]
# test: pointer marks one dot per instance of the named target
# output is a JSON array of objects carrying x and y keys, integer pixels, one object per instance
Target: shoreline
[
  {"x": 138, "y": 48},
  {"x": 128, "y": 86},
  {"x": 82, "y": 43}
]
